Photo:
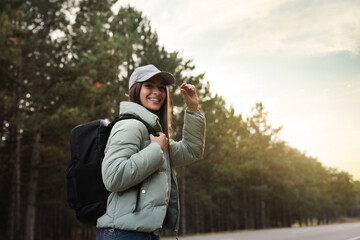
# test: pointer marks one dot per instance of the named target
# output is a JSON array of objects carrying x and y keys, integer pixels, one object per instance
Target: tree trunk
[
  {"x": 33, "y": 187},
  {"x": 245, "y": 209},
  {"x": 237, "y": 220},
  {"x": 197, "y": 222},
  {"x": 212, "y": 229},
  {"x": 284, "y": 218},
  {"x": 15, "y": 195},
  {"x": 262, "y": 209},
  {"x": 262, "y": 203},
  {"x": 15, "y": 189}
]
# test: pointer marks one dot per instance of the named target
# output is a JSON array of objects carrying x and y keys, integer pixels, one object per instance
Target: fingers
[
  {"x": 188, "y": 93},
  {"x": 187, "y": 87},
  {"x": 159, "y": 135},
  {"x": 152, "y": 137},
  {"x": 187, "y": 90},
  {"x": 162, "y": 140}
]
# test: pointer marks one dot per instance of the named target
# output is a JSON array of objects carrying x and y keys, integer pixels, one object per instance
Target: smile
[{"x": 156, "y": 100}]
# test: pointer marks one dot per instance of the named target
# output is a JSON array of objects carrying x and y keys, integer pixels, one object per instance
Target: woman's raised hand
[
  {"x": 162, "y": 140},
  {"x": 188, "y": 93}
]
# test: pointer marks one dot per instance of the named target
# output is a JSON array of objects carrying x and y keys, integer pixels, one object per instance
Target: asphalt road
[{"x": 348, "y": 231}]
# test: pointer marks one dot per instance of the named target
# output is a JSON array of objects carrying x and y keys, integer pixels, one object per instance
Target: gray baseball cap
[{"x": 144, "y": 73}]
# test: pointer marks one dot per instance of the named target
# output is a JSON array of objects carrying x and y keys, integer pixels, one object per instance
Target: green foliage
[{"x": 256, "y": 180}]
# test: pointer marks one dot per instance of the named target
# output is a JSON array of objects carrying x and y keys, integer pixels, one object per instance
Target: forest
[{"x": 64, "y": 63}]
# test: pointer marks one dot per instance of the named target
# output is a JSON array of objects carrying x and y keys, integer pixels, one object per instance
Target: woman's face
[{"x": 153, "y": 93}]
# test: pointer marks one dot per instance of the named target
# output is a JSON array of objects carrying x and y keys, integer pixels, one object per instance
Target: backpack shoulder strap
[{"x": 150, "y": 129}]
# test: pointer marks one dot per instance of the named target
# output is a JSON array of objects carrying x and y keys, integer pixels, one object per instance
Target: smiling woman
[{"x": 138, "y": 168}]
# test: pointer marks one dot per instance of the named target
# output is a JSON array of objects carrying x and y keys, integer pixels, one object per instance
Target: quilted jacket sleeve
[
  {"x": 191, "y": 147},
  {"x": 125, "y": 163}
]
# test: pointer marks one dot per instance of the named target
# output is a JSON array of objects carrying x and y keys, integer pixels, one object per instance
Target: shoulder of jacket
[{"x": 129, "y": 125}]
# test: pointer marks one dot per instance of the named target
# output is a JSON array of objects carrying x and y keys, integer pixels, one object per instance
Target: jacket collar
[{"x": 140, "y": 111}]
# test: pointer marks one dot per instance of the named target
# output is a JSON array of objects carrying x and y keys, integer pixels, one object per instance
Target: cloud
[
  {"x": 297, "y": 27},
  {"x": 188, "y": 22}
]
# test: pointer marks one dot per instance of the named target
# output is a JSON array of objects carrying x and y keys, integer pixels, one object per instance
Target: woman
[{"x": 134, "y": 158}]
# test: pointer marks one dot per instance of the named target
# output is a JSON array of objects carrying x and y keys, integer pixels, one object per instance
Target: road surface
[{"x": 345, "y": 231}]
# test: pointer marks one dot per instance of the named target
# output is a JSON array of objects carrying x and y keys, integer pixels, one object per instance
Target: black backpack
[{"x": 86, "y": 192}]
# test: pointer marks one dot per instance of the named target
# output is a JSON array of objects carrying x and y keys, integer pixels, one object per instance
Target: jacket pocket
[
  {"x": 143, "y": 192},
  {"x": 123, "y": 202},
  {"x": 138, "y": 188}
]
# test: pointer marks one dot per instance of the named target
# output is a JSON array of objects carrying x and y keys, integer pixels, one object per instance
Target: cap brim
[{"x": 168, "y": 77}]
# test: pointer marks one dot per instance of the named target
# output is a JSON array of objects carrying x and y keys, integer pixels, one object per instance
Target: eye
[{"x": 148, "y": 85}]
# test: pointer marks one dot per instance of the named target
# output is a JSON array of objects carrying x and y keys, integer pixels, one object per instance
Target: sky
[{"x": 300, "y": 58}]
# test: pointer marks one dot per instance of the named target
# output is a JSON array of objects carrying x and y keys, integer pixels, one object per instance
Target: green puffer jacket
[{"x": 130, "y": 159}]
